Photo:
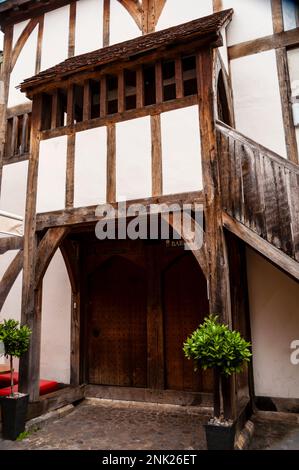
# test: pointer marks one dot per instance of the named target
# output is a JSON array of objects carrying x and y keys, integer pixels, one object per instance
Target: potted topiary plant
[
  {"x": 214, "y": 346},
  {"x": 14, "y": 405}
]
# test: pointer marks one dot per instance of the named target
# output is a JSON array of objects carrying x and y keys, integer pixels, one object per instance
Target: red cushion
[
  {"x": 45, "y": 386},
  {"x": 5, "y": 379}
]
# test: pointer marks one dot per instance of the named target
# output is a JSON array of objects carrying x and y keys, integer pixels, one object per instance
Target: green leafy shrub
[
  {"x": 16, "y": 341},
  {"x": 214, "y": 345}
]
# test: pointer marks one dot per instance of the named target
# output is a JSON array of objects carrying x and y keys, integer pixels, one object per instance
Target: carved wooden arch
[
  {"x": 200, "y": 253},
  {"x": 70, "y": 255},
  {"x": 46, "y": 250},
  {"x": 220, "y": 74},
  {"x": 10, "y": 276}
]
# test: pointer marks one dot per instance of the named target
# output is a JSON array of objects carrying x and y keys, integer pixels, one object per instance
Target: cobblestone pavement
[
  {"x": 275, "y": 435},
  {"x": 104, "y": 424}
]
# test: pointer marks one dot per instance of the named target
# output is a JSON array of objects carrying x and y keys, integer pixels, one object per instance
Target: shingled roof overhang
[{"x": 205, "y": 30}]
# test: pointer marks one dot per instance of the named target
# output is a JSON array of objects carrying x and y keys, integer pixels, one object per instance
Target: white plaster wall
[
  {"x": 181, "y": 155},
  {"x": 133, "y": 159},
  {"x": 12, "y": 305},
  {"x": 252, "y": 19},
  {"x": 14, "y": 187},
  {"x": 24, "y": 68},
  {"x": 89, "y": 26},
  {"x": 274, "y": 301},
  {"x": 17, "y": 31},
  {"x": 257, "y": 100},
  {"x": 177, "y": 11},
  {"x": 55, "y": 37},
  {"x": 223, "y": 49},
  {"x": 51, "y": 175},
  {"x": 56, "y": 322},
  {"x": 293, "y": 62},
  {"x": 90, "y": 167},
  {"x": 122, "y": 25}
]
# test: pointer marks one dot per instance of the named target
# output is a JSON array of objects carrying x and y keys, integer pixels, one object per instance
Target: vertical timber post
[
  {"x": 4, "y": 89},
  {"x": 218, "y": 271},
  {"x": 31, "y": 296}
]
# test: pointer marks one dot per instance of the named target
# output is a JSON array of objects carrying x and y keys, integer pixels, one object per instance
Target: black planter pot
[
  {"x": 14, "y": 412},
  {"x": 220, "y": 437}
]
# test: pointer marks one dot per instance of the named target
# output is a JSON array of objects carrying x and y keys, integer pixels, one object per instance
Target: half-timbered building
[{"x": 150, "y": 102}]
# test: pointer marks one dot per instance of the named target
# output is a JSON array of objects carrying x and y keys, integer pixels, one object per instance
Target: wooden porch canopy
[{"x": 202, "y": 31}]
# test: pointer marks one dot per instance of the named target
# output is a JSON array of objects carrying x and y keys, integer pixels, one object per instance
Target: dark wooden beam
[
  {"x": 39, "y": 44},
  {"x": 217, "y": 5},
  {"x": 18, "y": 110},
  {"x": 7, "y": 50},
  {"x": 70, "y": 171},
  {"x": 105, "y": 120},
  {"x": 106, "y": 23},
  {"x": 10, "y": 276},
  {"x": 156, "y": 155},
  {"x": 218, "y": 268},
  {"x": 72, "y": 29},
  {"x": 175, "y": 397},
  {"x": 11, "y": 243},
  {"x": 111, "y": 163},
  {"x": 266, "y": 43},
  {"x": 29, "y": 363},
  {"x": 86, "y": 101},
  {"x": 269, "y": 251},
  {"x": 86, "y": 215},
  {"x": 277, "y": 16},
  {"x": 53, "y": 401},
  {"x": 286, "y": 106}
]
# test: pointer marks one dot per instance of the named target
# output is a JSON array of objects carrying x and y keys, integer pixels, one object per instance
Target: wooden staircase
[{"x": 260, "y": 197}]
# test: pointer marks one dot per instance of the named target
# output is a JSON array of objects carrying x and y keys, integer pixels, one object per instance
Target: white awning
[{"x": 11, "y": 224}]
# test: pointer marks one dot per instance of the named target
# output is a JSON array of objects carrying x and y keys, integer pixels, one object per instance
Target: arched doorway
[
  {"x": 185, "y": 303},
  {"x": 117, "y": 336}
]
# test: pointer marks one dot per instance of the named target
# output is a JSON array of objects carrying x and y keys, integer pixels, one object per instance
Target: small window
[
  {"x": 112, "y": 90},
  {"x": 189, "y": 75},
  {"x": 149, "y": 85},
  {"x": 130, "y": 89},
  {"x": 168, "y": 76}
]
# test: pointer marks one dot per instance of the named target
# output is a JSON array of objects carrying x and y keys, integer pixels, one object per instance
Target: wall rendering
[
  {"x": 273, "y": 301},
  {"x": 90, "y": 167},
  {"x": 51, "y": 175},
  {"x": 181, "y": 160},
  {"x": 133, "y": 159},
  {"x": 257, "y": 100},
  {"x": 56, "y": 322}
]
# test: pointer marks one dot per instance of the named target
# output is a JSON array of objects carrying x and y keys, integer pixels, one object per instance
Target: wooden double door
[{"x": 119, "y": 298}]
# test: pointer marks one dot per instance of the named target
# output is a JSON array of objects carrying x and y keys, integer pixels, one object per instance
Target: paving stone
[{"x": 97, "y": 424}]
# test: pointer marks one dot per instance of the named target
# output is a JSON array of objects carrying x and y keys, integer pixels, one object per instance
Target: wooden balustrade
[
  {"x": 127, "y": 91},
  {"x": 17, "y": 142},
  {"x": 259, "y": 189}
]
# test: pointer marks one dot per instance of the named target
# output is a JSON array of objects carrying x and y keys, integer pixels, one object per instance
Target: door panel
[
  {"x": 117, "y": 347},
  {"x": 185, "y": 306}
]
